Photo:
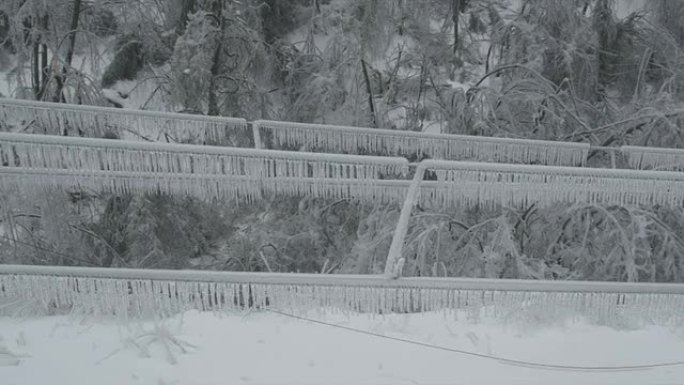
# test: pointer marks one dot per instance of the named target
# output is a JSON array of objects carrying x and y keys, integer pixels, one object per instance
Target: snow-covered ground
[{"x": 268, "y": 348}]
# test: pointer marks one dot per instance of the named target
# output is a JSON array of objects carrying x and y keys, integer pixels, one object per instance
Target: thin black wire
[{"x": 508, "y": 361}]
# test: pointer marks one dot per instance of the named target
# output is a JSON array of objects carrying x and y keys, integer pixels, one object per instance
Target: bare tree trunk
[
  {"x": 41, "y": 71},
  {"x": 217, "y": 8},
  {"x": 35, "y": 70},
  {"x": 455, "y": 13},
  {"x": 603, "y": 24},
  {"x": 76, "y": 13},
  {"x": 188, "y": 8},
  {"x": 369, "y": 89}
]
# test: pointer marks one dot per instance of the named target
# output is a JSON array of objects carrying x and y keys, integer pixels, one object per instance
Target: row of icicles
[
  {"x": 210, "y": 172},
  {"x": 133, "y": 298}
]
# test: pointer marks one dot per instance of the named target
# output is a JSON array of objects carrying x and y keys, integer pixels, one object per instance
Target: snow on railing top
[
  {"x": 74, "y": 153},
  {"x": 134, "y": 292},
  {"x": 82, "y": 120},
  {"x": 341, "y": 280},
  {"x": 439, "y": 146},
  {"x": 654, "y": 158},
  {"x": 485, "y": 184}
]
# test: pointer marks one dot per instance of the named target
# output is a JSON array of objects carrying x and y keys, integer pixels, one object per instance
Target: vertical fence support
[
  {"x": 395, "y": 261},
  {"x": 257, "y": 135}
]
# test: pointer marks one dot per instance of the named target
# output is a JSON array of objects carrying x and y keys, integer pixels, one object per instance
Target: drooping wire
[{"x": 503, "y": 360}]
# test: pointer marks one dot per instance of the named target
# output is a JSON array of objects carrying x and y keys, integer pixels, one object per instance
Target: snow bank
[{"x": 266, "y": 348}]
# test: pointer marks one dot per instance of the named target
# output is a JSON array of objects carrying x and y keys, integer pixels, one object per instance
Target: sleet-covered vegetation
[{"x": 587, "y": 71}]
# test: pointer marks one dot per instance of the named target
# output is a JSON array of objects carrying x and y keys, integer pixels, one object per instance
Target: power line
[{"x": 508, "y": 361}]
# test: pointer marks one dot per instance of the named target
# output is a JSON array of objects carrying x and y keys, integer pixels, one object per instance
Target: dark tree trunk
[
  {"x": 369, "y": 89},
  {"x": 40, "y": 71},
  {"x": 213, "y": 109},
  {"x": 603, "y": 24},
  {"x": 35, "y": 70},
  {"x": 188, "y": 8},
  {"x": 76, "y": 13},
  {"x": 455, "y": 13}
]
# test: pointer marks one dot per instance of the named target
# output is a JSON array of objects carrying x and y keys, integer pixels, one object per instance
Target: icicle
[
  {"x": 132, "y": 159},
  {"x": 653, "y": 158},
  {"x": 437, "y": 146},
  {"x": 57, "y": 118}
]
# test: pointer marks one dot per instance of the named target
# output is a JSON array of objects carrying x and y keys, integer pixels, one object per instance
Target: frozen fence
[
  {"x": 244, "y": 189},
  {"x": 61, "y": 152},
  {"x": 80, "y": 120},
  {"x": 133, "y": 292},
  {"x": 472, "y": 184},
  {"x": 654, "y": 158},
  {"x": 344, "y": 139}
]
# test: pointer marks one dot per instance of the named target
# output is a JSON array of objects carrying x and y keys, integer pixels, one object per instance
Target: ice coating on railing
[
  {"x": 470, "y": 184},
  {"x": 207, "y": 187},
  {"x": 654, "y": 158},
  {"x": 55, "y": 152},
  {"x": 345, "y": 139},
  {"x": 169, "y": 292},
  {"x": 81, "y": 120}
]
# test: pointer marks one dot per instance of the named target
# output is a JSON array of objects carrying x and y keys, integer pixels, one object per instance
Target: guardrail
[
  {"x": 133, "y": 292},
  {"x": 80, "y": 120},
  {"x": 348, "y": 139},
  {"x": 207, "y": 187}
]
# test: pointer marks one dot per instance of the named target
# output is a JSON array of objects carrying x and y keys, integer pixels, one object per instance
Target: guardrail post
[
  {"x": 395, "y": 262},
  {"x": 257, "y": 135}
]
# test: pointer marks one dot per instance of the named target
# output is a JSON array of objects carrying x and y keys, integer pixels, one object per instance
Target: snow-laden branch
[
  {"x": 439, "y": 146},
  {"x": 75, "y": 120},
  {"x": 133, "y": 292}
]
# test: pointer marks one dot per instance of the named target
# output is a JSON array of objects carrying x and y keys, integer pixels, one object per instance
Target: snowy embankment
[{"x": 269, "y": 348}]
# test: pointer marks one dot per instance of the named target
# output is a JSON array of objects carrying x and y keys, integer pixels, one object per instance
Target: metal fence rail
[
  {"x": 82, "y": 120},
  {"x": 132, "y": 293},
  {"x": 346, "y": 280}
]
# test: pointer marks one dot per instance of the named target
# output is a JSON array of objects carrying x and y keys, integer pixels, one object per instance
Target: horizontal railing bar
[
  {"x": 194, "y": 149},
  {"x": 419, "y": 135},
  {"x": 559, "y": 171},
  {"x": 120, "y": 111},
  {"x": 365, "y": 281}
]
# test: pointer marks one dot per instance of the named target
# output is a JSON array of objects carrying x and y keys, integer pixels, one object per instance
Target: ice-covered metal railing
[
  {"x": 654, "y": 158},
  {"x": 472, "y": 184},
  {"x": 107, "y": 291},
  {"x": 344, "y": 139},
  {"x": 73, "y": 153},
  {"x": 245, "y": 189},
  {"x": 81, "y": 120}
]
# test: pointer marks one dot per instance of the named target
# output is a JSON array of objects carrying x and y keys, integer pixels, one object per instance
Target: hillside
[{"x": 603, "y": 72}]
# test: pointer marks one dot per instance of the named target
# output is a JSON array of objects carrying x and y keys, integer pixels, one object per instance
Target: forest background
[{"x": 605, "y": 72}]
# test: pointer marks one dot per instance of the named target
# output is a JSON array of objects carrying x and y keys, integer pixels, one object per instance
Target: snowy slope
[{"x": 266, "y": 348}]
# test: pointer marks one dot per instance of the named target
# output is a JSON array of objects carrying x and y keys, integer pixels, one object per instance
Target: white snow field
[{"x": 262, "y": 347}]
